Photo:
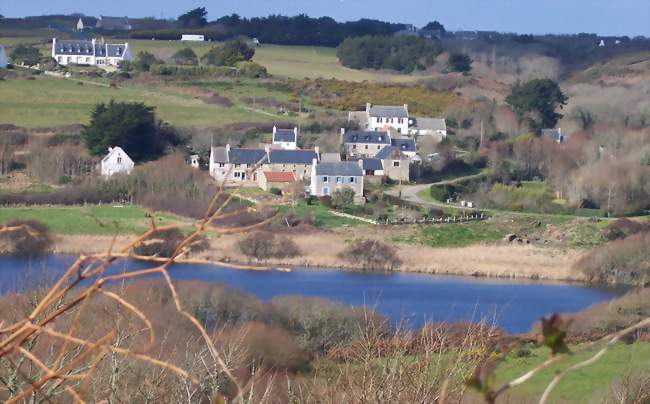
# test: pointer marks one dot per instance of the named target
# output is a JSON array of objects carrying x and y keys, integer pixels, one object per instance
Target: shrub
[
  {"x": 185, "y": 56},
  {"x": 30, "y": 238},
  {"x": 371, "y": 254},
  {"x": 164, "y": 243},
  {"x": 263, "y": 245},
  {"x": 144, "y": 60},
  {"x": 625, "y": 261},
  {"x": 228, "y": 54},
  {"x": 192, "y": 71},
  {"x": 624, "y": 227},
  {"x": 459, "y": 62},
  {"x": 252, "y": 70},
  {"x": 343, "y": 198},
  {"x": 275, "y": 191},
  {"x": 26, "y": 54}
]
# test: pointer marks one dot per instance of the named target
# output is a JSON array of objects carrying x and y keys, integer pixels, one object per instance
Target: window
[
  {"x": 326, "y": 191},
  {"x": 87, "y": 60},
  {"x": 119, "y": 160},
  {"x": 378, "y": 147},
  {"x": 379, "y": 120},
  {"x": 395, "y": 163},
  {"x": 390, "y": 120},
  {"x": 366, "y": 147},
  {"x": 354, "y": 147},
  {"x": 60, "y": 59},
  {"x": 351, "y": 180},
  {"x": 248, "y": 165},
  {"x": 400, "y": 120},
  {"x": 221, "y": 165},
  {"x": 237, "y": 165},
  {"x": 325, "y": 179},
  {"x": 339, "y": 180},
  {"x": 237, "y": 174}
]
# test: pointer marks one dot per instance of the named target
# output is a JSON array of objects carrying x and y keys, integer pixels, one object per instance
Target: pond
[{"x": 408, "y": 299}]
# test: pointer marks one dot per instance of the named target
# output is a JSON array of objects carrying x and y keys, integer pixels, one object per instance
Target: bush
[
  {"x": 343, "y": 198},
  {"x": 372, "y": 254},
  {"x": 252, "y": 70},
  {"x": 459, "y": 62},
  {"x": 26, "y": 54},
  {"x": 144, "y": 60},
  {"x": 275, "y": 191},
  {"x": 229, "y": 54},
  {"x": 192, "y": 71},
  {"x": 625, "y": 261},
  {"x": 185, "y": 56},
  {"x": 164, "y": 243},
  {"x": 30, "y": 238},
  {"x": 624, "y": 227},
  {"x": 263, "y": 245}
]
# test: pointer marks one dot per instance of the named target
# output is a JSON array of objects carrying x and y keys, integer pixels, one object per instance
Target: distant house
[
  {"x": 298, "y": 162},
  {"x": 396, "y": 164},
  {"x": 436, "y": 127},
  {"x": 327, "y": 178},
  {"x": 116, "y": 162},
  {"x": 285, "y": 138},
  {"x": 81, "y": 52},
  {"x": 114, "y": 23},
  {"x": 83, "y": 24},
  {"x": 372, "y": 167},
  {"x": 555, "y": 135},
  {"x": 3, "y": 58},
  {"x": 236, "y": 165},
  {"x": 364, "y": 143},
  {"x": 406, "y": 145},
  {"x": 274, "y": 179},
  {"x": 192, "y": 38}
]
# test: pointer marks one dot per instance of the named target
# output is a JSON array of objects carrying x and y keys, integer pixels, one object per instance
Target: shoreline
[{"x": 320, "y": 250}]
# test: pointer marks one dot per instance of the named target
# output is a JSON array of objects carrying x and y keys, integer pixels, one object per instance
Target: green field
[
  {"x": 90, "y": 220},
  {"x": 589, "y": 384},
  {"x": 321, "y": 214},
  {"x": 51, "y": 102}
]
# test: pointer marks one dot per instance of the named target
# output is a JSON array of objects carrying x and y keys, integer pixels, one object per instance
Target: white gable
[{"x": 116, "y": 161}]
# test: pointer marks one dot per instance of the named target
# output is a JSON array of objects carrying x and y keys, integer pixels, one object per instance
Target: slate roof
[
  {"x": 246, "y": 156},
  {"x": 280, "y": 156},
  {"x": 387, "y": 111},
  {"x": 404, "y": 144},
  {"x": 219, "y": 155},
  {"x": 366, "y": 137},
  {"x": 279, "y": 176},
  {"x": 85, "y": 48},
  {"x": 430, "y": 123},
  {"x": 391, "y": 152},
  {"x": 344, "y": 168},
  {"x": 285, "y": 135},
  {"x": 372, "y": 164}
]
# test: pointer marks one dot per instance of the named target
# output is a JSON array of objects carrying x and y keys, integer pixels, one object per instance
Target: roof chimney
[
  {"x": 267, "y": 148},
  {"x": 228, "y": 148},
  {"x": 406, "y": 108},
  {"x": 368, "y": 105},
  {"x": 360, "y": 162},
  {"x": 275, "y": 129},
  {"x": 317, "y": 150}
]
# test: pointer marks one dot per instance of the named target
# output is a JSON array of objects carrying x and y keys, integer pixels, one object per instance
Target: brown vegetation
[
  {"x": 265, "y": 245},
  {"x": 25, "y": 238},
  {"x": 372, "y": 254}
]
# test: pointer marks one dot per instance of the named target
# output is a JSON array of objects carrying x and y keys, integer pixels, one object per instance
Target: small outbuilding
[
  {"x": 3, "y": 58},
  {"x": 276, "y": 179}
]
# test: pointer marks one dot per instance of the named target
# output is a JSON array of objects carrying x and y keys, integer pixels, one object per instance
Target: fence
[{"x": 437, "y": 220}]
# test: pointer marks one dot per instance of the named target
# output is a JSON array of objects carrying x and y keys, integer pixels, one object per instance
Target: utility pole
[{"x": 480, "y": 146}]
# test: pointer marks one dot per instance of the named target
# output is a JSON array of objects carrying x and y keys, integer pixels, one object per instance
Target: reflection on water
[{"x": 409, "y": 299}]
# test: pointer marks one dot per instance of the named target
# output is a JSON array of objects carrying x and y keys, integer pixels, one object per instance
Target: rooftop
[
  {"x": 388, "y": 111},
  {"x": 279, "y": 176},
  {"x": 344, "y": 168},
  {"x": 285, "y": 135},
  {"x": 280, "y": 156},
  {"x": 366, "y": 137}
]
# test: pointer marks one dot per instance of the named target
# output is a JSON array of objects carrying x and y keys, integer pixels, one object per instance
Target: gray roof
[
  {"x": 388, "y": 111},
  {"x": 85, "y": 48},
  {"x": 373, "y": 164},
  {"x": 219, "y": 155},
  {"x": 345, "y": 168},
  {"x": 430, "y": 123},
  {"x": 285, "y": 135},
  {"x": 330, "y": 157},
  {"x": 280, "y": 156},
  {"x": 366, "y": 137},
  {"x": 246, "y": 156},
  {"x": 390, "y": 152},
  {"x": 404, "y": 144}
]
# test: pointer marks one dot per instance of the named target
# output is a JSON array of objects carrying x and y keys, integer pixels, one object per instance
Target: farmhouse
[
  {"x": 397, "y": 119},
  {"x": 116, "y": 162},
  {"x": 3, "y": 58},
  {"x": 436, "y": 127},
  {"x": 298, "y": 162},
  {"x": 326, "y": 178},
  {"x": 114, "y": 23},
  {"x": 80, "y": 52},
  {"x": 363, "y": 143},
  {"x": 285, "y": 138}
]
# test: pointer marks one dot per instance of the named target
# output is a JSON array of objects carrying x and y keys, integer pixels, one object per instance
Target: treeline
[{"x": 401, "y": 53}]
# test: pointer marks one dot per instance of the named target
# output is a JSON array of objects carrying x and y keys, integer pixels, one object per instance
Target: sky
[{"x": 604, "y": 17}]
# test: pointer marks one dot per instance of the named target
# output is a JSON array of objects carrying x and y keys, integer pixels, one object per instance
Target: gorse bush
[
  {"x": 185, "y": 56},
  {"x": 229, "y": 54},
  {"x": 371, "y": 255},
  {"x": 263, "y": 245}
]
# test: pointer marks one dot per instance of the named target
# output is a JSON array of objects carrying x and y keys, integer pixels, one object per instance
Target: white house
[
  {"x": 192, "y": 38},
  {"x": 436, "y": 127},
  {"x": 286, "y": 139},
  {"x": 81, "y": 52},
  {"x": 385, "y": 117},
  {"x": 82, "y": 25},
  {"x": 116, "y": 162},
  {"x": 3, "y": 58}
]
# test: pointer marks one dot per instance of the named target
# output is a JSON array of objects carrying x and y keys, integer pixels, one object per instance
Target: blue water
[{"x": 409, "y": 299}]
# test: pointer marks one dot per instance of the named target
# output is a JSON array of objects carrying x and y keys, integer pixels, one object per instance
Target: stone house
[
  {"x": 436, "y": 127},
  {"x": 406, "y": 145},
  {"x": 116, "y": 162},
  {"x": 298, "y": 162},
  {"x": 396, "y": 164},
  {"x": 359, "y": 144},
  {"x": 326, "y": 178},
  {"x": 274, "y": 179},
  {"x": 237, "y": 165}
]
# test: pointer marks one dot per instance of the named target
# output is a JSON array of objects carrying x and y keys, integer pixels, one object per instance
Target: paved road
[{"x": 409, "y": 193}]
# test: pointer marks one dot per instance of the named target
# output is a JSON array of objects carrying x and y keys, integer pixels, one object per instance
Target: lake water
[{"x": 412, "y": 298}]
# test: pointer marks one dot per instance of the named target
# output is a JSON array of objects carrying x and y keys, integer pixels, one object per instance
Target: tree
[
  {"x": 185, "y": 56},
  {"x": 229, "y": 54},
  {"x": 27, "y": 55},
  {"x": 342, "y": 198},
  {"x": 459, "y": 62},
  {"x": 194, "y": 18},
  {"x": 536, "y": 102},
  {"x": 144, "y": 60},
  {"x": 435, "y": 26},
  {"x": 130, "y": 125}
]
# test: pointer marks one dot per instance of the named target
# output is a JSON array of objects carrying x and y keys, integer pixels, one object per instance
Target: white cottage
[
  {"x": 3, "y": 58},
  {"x": 116, "y": 162},
  {"x": 92, "y": 53}
]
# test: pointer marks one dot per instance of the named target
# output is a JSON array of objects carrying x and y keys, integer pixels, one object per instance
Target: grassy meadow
[{"x": 90, "y": 220}]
